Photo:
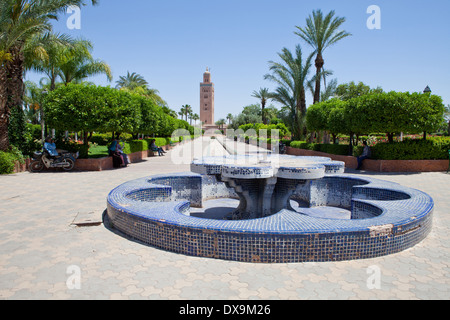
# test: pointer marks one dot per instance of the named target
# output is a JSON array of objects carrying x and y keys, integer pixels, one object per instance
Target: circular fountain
[
  {"x": 383, "y": 217},
  {"x": 265, "y": 183}
]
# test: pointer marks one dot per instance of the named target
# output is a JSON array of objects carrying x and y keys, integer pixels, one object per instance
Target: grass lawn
[{"x": 98, "y": 152}]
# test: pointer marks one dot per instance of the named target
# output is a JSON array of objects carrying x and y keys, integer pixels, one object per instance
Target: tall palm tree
[
  {"x": 131, "y": 81},
  {"x": 185, "y": 111},
  {"x": 195, "y": 117},
  {"x": 220, "y": 123},
  {"x": 320, "y": 33},
  {"x": 188, "y": 111},
  {"x": 291, "y": 76},
  {"x": 21, "y": 21},
  {"x": 229, "y": 118},
  {"x": 264, "y": 95}
]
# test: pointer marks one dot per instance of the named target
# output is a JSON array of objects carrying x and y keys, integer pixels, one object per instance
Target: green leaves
[
  {"x": 322, "y": 31},
  {"x": 382, "y": 112},
  {"x": 419, "y": 149},
  {"x": 82, "y": 107}
]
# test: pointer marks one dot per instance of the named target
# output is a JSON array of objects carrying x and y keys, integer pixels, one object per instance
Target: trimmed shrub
[
  {"x": 137, "y": 145},
  {"x": 435, "y": 148},
  {"x": 338, "y": 149},
  {"x": 297, "y": 144}
]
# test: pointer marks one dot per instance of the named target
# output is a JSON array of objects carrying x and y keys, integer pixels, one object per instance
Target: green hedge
[
  {"x": 136, "y": 146},
  {"x": 434, "y": 148},
  {"x": 283, "y": 130},
  {"x": 144, "y": 144},
  {"x": 339, "y": 149}
]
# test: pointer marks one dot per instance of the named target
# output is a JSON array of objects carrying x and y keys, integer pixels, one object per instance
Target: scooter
[{"x": 42, "y": 160}]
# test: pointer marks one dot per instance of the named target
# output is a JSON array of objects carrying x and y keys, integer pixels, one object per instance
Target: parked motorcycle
[{"x": 42, "y": 160}]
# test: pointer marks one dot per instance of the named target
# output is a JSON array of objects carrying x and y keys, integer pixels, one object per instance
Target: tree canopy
[
  {"x": 90, "y": 108},
  {"x": 378, "y": 112}
]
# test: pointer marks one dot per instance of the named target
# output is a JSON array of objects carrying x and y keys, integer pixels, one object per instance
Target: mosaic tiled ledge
[{"x": 386, "y": 218}]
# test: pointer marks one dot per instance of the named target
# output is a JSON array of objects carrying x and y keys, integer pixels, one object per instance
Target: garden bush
[
  {"x": 281, "y": 127},
  {"x": 137, "y": 146},
  {"x": 6, "y": 163},
  {"x": 338, "y": 149},
  {"x": 297, "y": 144},
  {"x": 102, "y": 139},
  {"x": 435, "y": 148},
  {"x": 8, "y": 160}
]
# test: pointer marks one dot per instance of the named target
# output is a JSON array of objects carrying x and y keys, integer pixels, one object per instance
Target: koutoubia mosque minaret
[{"x": 207, "y": 100}]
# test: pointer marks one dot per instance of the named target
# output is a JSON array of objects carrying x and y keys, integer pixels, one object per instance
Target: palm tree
[
  {"x": 68, "y": 59},
  {"x": 330, "y": 90},
  {"x": 229, "y": 118},
  {"x": 44, "y": 55},
  {"x": 263, "y": 94},
  {"x": 21, "y": 21},
  {"x": 220, "y": 123},
  {"x": 320, "y": 33},
  {"x": 131, "y": 81},
  {"x": 195, "y": 117},
  {"x": 76, "y": 63},
  {"x": 291, "y": 76},
  {"x": 185, "y": 111},
  {"x": 188, "y": 111}
]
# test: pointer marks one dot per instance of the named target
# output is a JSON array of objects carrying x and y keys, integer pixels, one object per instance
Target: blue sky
[{"x": 172, "y": 42}]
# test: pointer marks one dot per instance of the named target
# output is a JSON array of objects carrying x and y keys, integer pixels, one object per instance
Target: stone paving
[{"x": 44, "y": 256}]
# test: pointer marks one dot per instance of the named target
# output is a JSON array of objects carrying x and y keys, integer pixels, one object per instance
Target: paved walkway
[{"x": 44, "y": 256}]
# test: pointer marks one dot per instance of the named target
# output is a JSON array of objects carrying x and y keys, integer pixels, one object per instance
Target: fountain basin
[{"x": 386, "y": 218}]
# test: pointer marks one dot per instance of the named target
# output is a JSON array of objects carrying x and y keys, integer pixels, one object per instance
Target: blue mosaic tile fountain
[{"x": 383, "y": 217}]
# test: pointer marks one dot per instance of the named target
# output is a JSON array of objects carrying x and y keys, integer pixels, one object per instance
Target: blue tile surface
[{"x": 386, "y": 218}]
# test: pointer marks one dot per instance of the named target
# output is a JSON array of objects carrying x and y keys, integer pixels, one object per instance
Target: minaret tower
[{"x": 207, "y": 100}]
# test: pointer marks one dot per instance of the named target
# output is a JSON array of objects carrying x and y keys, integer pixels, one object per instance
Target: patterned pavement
[{"x": 44, "y": 256}]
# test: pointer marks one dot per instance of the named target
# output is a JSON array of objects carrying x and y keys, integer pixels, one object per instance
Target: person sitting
[
  {"x": 50, "y": 147},
  {"x": 365, "y": 155},
  {"x": 154, "y": 147},
  {"x": 112, "y": 147},
  {"x": 53, "y": 152},
  {"x": 120, "y": 148},
  {"x": 118, "y": 160}
]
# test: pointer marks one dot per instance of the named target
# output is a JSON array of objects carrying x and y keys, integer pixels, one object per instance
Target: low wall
[
  {"x": 94, "y": 164},
  {"x": 107, "y": 163},
  {"x": 379, "y": 165},
  {"x": 406, "y": 165},
  {"x": 21, "y": 167}
]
